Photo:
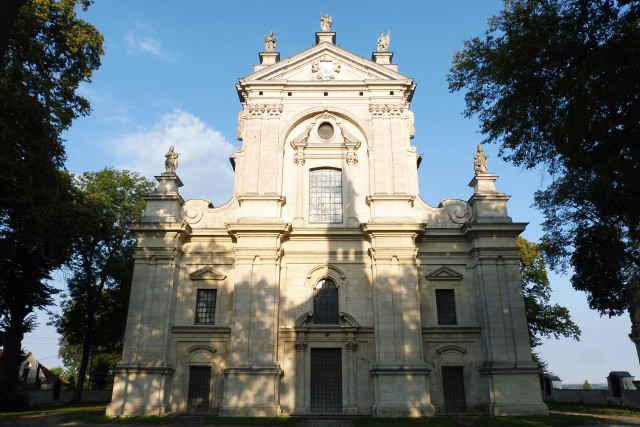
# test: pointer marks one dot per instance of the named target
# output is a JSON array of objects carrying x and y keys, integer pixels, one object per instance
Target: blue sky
[{"x": 168, "y": 78}]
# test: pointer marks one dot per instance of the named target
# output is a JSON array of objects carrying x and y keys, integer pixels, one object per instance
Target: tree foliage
[
  {"x": 544, "y": 319},
  {"x": 49, "y": 53},
  {"x": 555, "y": 83},
  {"x": 100, "y": 270}
]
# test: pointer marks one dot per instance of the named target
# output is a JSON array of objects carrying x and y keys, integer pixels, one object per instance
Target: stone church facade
[{"x": 326, "y": 284}]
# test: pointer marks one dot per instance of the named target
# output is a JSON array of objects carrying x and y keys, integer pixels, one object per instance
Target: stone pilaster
[
  {"x": 400, "y": 374},
  {"x": 301, "y": 386},
  {"x": 510, "y": 375},
  {"x": 143, "y": 378},
  {"x": 253, "y": 373},
  {"x": 352, "y": 392}
]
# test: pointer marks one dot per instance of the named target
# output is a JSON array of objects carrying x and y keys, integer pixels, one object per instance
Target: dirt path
[{"x": 45, "y": 419}]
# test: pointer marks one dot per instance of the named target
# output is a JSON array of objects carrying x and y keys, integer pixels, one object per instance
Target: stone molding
[
  {"x": 350, "y": 143},
  {"x": 444, "y": 273},
  {"x": 208, "y": 272}
]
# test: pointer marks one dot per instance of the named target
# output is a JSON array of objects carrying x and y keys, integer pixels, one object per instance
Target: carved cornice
[
  {"x": 274, "y": 110},
  {"x": 301, "y": 346},
  {"x": 393, "y": 110},
  {"x": 256, "y": 110},
  {"x": 298, "y": 159}
]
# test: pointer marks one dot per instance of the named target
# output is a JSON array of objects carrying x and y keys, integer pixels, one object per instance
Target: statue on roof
[
  {"x": 325, "y": 23},
  {"x": 383, "y": 41},
  {"x": 480, "y": 161},
  {"x": 171, "y": 161},
  {"x": 270, "y": 42}
]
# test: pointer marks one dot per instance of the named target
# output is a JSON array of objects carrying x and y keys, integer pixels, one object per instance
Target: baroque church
[{"x": 326, "y": 285}]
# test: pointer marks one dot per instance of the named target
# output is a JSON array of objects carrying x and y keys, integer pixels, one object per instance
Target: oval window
[{"x": 325, "y": 130}]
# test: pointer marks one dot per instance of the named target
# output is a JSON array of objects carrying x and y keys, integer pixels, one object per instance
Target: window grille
[
  {"x": 206, "y": 306},
  {"x": 325, "y": 195},
  {"x": 325, "y": 303},
  {"x": 326, "y": 380},
  {"x": 446, "y": 307}
]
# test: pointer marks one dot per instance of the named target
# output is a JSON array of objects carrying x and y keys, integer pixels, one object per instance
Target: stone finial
[
  {"x": 270, "y": 42},
  {"x": 479, "y": 161},
  {"x": 171, "y": 161},
  {"x": 325, "y": 23},
  {"x": 383, "y": 41}
]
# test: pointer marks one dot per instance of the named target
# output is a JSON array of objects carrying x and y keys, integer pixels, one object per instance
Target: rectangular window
[
  {"x": 446, "y": 307},
  {"x": 206, "y": 306},
  {"x": 325, "y": 195}
]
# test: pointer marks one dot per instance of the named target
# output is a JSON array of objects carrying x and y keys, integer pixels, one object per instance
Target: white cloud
[
  {"x": 143, "y": 39},
  {"x": 203, "y": 166}
]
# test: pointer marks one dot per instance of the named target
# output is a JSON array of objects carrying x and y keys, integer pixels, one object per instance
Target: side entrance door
[
  {"x": 453, "y": 389},
  {"x": 326, "y": 380},
  {"x": 199, "y": 388}
]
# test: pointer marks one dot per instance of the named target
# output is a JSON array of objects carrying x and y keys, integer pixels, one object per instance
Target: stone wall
[{"x": 629, "y": 398}]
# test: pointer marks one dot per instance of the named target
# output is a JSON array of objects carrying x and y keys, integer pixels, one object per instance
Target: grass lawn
[
  {"x": 570, "y": 415},
  {"x": 593, "y": 409}
]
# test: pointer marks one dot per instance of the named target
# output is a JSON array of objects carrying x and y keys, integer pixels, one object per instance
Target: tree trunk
[
  {"x": 633, "y": 296},
  {"x": 86, "y": 350},
  {"x": 11, "y": 358}
]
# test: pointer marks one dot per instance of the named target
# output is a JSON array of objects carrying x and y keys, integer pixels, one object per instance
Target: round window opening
[{"x": 325, "y": 130}]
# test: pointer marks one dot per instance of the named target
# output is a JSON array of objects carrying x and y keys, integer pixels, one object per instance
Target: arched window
[
  {"x": 325, "y": 195},
  {"x": 325, "y": 303}
]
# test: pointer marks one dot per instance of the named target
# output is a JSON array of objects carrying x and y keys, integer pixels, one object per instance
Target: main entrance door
[
  {"x": 199, "y": 388},
  {"x": 326, "y": 380}
]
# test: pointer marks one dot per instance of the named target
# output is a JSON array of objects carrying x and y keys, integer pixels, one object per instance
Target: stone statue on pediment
[
  {"x": 480, "y": 161},
  {"x": 171, "y": 161},
  {"x": 270, "y": 42},
  {"x": 383, "y": 41},
  {"x": 325, "y": 23}
]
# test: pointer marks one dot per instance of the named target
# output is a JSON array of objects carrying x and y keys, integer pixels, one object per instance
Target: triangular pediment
[
  {"x": 207, "y": 272},
  {"x": 444, "y": 273},
  {"x": 325, "y": 62}
]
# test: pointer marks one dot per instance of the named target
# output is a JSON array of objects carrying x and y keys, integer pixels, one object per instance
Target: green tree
[
  {"x": 100, "y": 269},
  {"x": 586, "y": 385},
  {"x": 544, "y": 319},
  {"x": 49, "y": 52},
  {"x": 555, "y": 83}
]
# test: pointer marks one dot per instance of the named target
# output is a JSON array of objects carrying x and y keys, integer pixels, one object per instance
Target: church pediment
[
  {"x": 325, "y": 62},
  {"x": 207, "y": 272},
  {"x": 444, "y": 273}
]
